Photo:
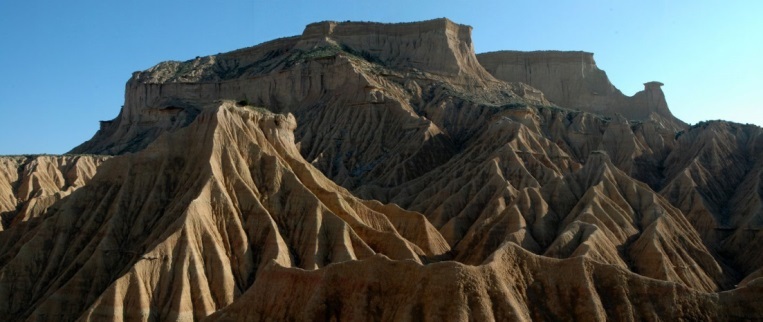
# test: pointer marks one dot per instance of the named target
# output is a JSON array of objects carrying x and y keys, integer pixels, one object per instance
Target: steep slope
[
  {"x": 402, "y": 113},
  {"x": 714, "y": 177},
  {"x": 620, "y": 221},
  {"x": 378, "y": 84},
  {"x": 30, "y": 184},
  {"x": 572, "y": 79},
  {"x": 483, "y": 199},
  {"x": 180, "y": 229},
  {"x": 500, "y": 188}
]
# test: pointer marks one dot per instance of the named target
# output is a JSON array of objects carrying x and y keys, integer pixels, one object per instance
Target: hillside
[{"x": 385, "y": 171}]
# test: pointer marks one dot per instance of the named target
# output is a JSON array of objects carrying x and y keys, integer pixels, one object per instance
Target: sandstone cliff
[
  {"x": 481, "y": 199},
  {"x": 332, "y": 75},
  {"x": 572, "y": 79}
]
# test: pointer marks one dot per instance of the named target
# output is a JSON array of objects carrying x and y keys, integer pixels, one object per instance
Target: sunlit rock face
[
  {"x": 366, "y": 171},
  {"x": 572, "y": 79}
]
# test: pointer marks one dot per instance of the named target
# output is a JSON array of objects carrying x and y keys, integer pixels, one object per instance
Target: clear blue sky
[{"x": 65, "y": 63}]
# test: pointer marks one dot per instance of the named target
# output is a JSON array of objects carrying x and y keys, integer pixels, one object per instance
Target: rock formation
[
  {"x": 571, "y": 79},
  {"x": 30, "y": 184},
  {"x": 377, "y": 171}
]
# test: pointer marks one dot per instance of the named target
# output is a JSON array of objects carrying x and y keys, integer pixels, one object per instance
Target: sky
[{"x": 65, "y": 63}]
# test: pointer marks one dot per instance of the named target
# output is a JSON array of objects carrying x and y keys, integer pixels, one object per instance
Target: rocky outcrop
[
  {"x": 481, "y": 199},
  {"x": 287, "y": 74},
  {"x": 180, "y": 230},
  {"x": 30, "y": 184},
  {"x": 331, "y": 76},
  {"x": 714, "y": 176},
  {"x": 436, "y": 46},
  {"x": 571, "y": 79},
  {"x": 514, "y": 185},
  {"x": 214, "y": 218}
]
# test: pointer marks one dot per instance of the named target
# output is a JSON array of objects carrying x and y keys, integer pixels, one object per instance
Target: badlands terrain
[{"x": 366, "y": 171}]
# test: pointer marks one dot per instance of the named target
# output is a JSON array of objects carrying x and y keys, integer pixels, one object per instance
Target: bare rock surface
[
  {"x": 378, "y": 171},
  {"x": 572, "y": 79},
  {"x": 179, "y": 230},
  {"x": 30, "y": 184},
  {"x": 513, "y": 286}
]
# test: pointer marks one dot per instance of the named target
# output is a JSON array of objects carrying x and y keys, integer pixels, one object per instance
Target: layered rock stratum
[
  {"x": 366, "y": 171},
  {"x": 572, "y": 79}
]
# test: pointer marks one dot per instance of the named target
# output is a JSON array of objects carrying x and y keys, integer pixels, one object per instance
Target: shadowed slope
[{"x": 714, "y": 177}]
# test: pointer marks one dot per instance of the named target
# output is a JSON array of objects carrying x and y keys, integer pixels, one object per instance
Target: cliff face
[
  {"x": 365, "y": 170},
  {"x": 363, "y": 72},
  {"x": 436, "y": 46},
  {"x": 285, "y": 75},
  {"x": 572, "y": 79}
]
